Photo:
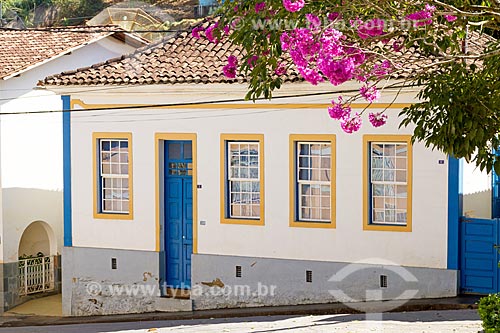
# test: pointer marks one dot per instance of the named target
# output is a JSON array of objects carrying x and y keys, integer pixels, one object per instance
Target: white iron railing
[{"x": 36, "y": 275}]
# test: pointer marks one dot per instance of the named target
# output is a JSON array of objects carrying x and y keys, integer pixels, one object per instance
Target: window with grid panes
[
  {"x": 243, "y": 172},
  {"x": 314, "y": 181},
  {"x": 114, "y": 176},
  {"x": 389, "y": 182}
]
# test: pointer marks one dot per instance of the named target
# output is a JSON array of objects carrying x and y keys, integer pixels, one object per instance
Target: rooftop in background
[
  {"x": 23, "y": 49},
  {"x": 178, "y": 60},
  {"x": 139, "y": 16}
]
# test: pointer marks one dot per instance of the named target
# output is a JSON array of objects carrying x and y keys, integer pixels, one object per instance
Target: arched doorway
[{"x": 37, "y": 248}]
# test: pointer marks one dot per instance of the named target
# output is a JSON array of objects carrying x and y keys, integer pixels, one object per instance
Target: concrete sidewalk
[{"x": 455, "y": 303}]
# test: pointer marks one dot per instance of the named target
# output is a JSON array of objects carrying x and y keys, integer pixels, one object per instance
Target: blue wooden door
[
  {"x": 495, "y": 206},
  {"x": 178, "y": 213},
  {"x": 479, "y": 256}
]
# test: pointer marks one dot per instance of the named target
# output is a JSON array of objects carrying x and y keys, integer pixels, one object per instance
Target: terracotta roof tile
[
  {"x": 20, "y": 49},
  {"x": 178, "y": 59}
]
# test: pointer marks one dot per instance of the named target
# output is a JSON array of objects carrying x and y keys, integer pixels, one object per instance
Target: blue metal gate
[
  {"x": 479, "y": 256},
  {"x": 178, "y": 213}
]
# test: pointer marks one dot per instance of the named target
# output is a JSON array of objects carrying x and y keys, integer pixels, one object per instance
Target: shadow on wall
[{"x": 477, "y": 204}]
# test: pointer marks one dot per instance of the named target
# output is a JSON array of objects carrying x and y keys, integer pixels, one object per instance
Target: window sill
[
  {"x": 259, "y": 222},
  {"x": 302, "y": 224},
  {"x": 388, "y": 227},
  {"x": 107, "y": 216}
]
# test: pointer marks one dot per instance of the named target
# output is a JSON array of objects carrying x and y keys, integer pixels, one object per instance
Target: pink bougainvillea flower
[
  {"x": 231, "y": 67},
  {"x": 232, "y": 60},
  {"x": 339, "y": 110},
  {"x": 377, "y": 119},
  {"x": 252, "y": 61},
  {"x": 371, "y": 28},
  {"x": 333, "y": 16},
  {"x": 285, "y": 41},
  {"x": 196, "y": 32},
  {"x": 280, "y": 69},
  {"x": 422, "y": 17},
  {"x": 314, "y": 21},
  {"x": 430, "y": 8},
  {"x": 236, "y": 8},
  {"x": 226, "y": 30},
  {"x": 293, "y": 6},
  {"x": 310, "y": 75},
  {"x": 229, "y": 71},
  {"x": 260, "y": 6},
  {"x": 209, "y": 32},
  {"x": 382, "y": 69},
  {"x": 352, "y": 124},
  {"x": 371, "y": 94},
  {"x": 450, "y": 18},
  {"x": 396, "y": 46}
]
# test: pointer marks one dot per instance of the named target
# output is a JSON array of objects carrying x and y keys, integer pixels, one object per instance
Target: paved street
[{"x": 456, "y": 321}]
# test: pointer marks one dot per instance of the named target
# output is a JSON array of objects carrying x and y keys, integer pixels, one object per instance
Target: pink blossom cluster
[
  {"x": 318, "y": 54},
  {"x": 377, "y": 119},
  {"x": 293, "y": 5},
  {"x": 260, "y": 6},
  {"x": 371, "y": 28},
  {"x": 422, "y": 17},
  {"x": 339, "y": 110},
  {"x": 371, "y": 94},
  {"x": 231, "y": 67}
]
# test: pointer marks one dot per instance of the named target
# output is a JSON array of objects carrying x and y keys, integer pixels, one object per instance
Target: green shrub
[{"x": 489, "y": 312}]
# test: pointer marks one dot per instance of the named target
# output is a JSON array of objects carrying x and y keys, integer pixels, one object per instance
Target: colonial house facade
[
  {"x": 31, "y": 149},
  {"x": 177, "y": 186}
]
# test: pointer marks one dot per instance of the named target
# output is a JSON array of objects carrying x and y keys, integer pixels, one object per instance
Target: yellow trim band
[
  {"x": 96, "y": 136},
  {"x": 217, "y": 106},
  {"x": 158, "y": 180},
  {"x": 224, "y": 138},
  {"x": 294, "y": 138},
  {"x": 367, "y": 225}
]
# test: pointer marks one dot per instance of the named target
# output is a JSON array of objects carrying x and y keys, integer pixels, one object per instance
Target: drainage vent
[
  {"x": 113, "y": 263},
  {"x": 383, "y": 281},
  {"x": 238, "y": 271},
  {"x": 309, "y": 276}
]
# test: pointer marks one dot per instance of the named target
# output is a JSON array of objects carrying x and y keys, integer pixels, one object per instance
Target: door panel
[
  {"x": 179, "y": 213},
  {"x": 479, "y": 257}
]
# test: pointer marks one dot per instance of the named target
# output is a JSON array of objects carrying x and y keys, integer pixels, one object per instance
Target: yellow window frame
[
  {"x": 294, "y": 138},
  {"x": 96, "y": 136},
  {"x": 367, "y": 225},
  {"x": 224, "y": 201}
]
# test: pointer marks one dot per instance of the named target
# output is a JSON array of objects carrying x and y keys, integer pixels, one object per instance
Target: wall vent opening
[
  {"x": 309, "y": 276},
  {"x": 113, "y": 263},
  {"x": 238, "y": 271},
  {"x": 383, "y": 281}
]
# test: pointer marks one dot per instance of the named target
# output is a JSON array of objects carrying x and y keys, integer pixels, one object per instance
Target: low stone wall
[
  {"x": 228, "y": 282},
  {"x": 92, "y": 286}
]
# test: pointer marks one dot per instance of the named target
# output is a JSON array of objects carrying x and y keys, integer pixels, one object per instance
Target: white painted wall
[
  {"x": 22, "y": 207},
  {"x": 425, "y": 246},
  {"x": 31, "y": 145}
]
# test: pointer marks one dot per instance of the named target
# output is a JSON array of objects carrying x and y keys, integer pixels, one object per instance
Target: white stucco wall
[
  {"x": 31, "y": 145},
  {"x": 425, "y": 246},
  {"x": 22, "y": 207}
]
